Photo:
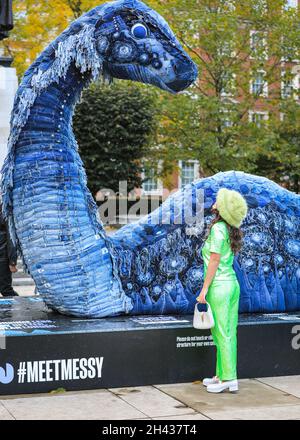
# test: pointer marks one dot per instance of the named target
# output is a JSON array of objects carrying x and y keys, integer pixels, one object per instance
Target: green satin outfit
[{"x": 223, "y": 296}]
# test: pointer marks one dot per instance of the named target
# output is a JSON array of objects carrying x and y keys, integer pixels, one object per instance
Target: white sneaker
[
  {"x": 211, "y": 381},
  {"x": 232, "y": 385}
]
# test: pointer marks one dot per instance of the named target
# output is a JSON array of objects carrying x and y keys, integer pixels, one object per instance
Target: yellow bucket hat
[{"x": 232, "y": 206}]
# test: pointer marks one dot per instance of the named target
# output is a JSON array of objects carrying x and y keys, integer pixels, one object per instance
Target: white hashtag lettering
[
  {"x": 22, "y": 372},
  {"x": 60, "y": 369}
]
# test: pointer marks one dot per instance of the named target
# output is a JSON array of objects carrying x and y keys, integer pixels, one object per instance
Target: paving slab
[
  {"x": 23, "y": 282},
  {"x": 273, "y": 398},
  {"x": 100, "y": 405},
  {"x": 25, "y": 290},
  {"x": 152, "y": 401},
  {"x": 288, "y": 384},
  {"x": 4, "y": 414},
  {"x": 252, "y": 394},
  {"x": 287, "y": 412},
  {"x": 195, "y": 416}
]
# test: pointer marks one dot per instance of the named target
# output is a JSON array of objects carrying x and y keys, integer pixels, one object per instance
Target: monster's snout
[{"x": 186, "y": 73}]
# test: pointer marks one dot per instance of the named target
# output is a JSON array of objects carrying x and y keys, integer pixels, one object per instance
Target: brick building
[{"x": 187, "y": 171}]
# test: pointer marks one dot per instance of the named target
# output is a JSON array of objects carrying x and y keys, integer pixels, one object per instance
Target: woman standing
[
  {"x": 8, "y": 259},
  {"x": 221, "y": 288}
]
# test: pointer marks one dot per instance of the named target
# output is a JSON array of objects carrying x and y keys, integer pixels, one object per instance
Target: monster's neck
[
  {"x": 55, "y": 107},
  {"x": 47, "y": 144},
  {"x": 41, "y": 129}
]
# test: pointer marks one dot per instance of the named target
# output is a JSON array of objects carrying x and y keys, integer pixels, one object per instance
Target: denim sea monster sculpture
[
  {"x": 153, "y": 266},
  {"x": 160, "y": 261}
]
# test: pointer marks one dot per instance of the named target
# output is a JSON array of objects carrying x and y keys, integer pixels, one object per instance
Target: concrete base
[{"x": 44, "y": 351}]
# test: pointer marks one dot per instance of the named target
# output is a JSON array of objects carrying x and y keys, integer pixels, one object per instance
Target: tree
[
  {"x": 232, "y": 42},
  {"x": 241, "y": 49},
  {"x": 289, "y": 138},
  {"x": 114, "y": 125},
  {"x": 37, "y": 23},
  {"x": 6, "y": 18}
]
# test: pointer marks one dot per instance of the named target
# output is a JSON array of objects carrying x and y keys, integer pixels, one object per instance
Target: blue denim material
[
  {"x": 149, "y": 267},
  {"x": 52, "y": 216},
  {"x": 161, "y": 266}
]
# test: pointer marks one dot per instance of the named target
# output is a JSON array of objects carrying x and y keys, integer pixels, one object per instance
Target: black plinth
[{"x": 46, "y": 351}]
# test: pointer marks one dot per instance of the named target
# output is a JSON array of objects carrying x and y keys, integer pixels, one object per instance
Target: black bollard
[{"x": 6, "y": 18}]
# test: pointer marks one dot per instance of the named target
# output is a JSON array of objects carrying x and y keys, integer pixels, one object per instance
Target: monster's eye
[{"x": 139, "y": 30}]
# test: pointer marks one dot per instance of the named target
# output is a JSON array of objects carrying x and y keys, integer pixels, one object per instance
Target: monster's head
[
  {"x": 120, "y": 39},
  {"x": 137, "y": 44}
]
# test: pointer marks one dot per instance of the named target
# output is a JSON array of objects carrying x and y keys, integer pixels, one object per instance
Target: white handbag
[{"x": 203, "y": 320}]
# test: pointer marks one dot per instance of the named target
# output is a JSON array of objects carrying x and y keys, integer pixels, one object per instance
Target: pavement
[
  {"x": 258, "y": 399},
  {"x": 273, "y": 398}
]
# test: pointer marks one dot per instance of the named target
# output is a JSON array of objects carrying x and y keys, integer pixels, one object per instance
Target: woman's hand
[
  {"x": 202, "y": 297},
  {"x": 13, "y": 268}
]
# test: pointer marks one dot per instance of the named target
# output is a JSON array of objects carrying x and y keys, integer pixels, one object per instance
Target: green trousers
[{"x": 223, "y": 297}]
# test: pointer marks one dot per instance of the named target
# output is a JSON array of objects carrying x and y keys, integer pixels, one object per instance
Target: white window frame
[
  {"x": 154, "y": 192},
  {"x": 297, "y": 86},
  {"x": 265, "y": 90},
  {"x": 225, "y": 113},
  {"x": 230, "y": 5},
  {"x": 196, "y": 170},
  {"x": 264, "y": 113},
  {"x": 265, "y": 6},
  {"x": 233, "y": 80},
  {"x": 283, "y": 83},
  {"x": 286, "y": 60},
  {"x": 264, "y": 42},
  {"x": 295, "y": 82},
  {"x": 288, "y": 4},
  {"x": 230, "y": 53}
]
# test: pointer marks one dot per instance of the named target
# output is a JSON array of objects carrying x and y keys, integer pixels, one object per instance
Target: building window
[
  {"x": 227, "y": 122},
  {"x": 258, "y": 118},
  {"x": 290, "y": 50},
  {"x": 258, "y": 85},
  {"x": 287, "y": 86},
  {"x": 290, "y": 84},
  {"x": 189, "y": 171},
  {"x": 260, "y": 6},
  {"x": 291, "y": 4},
  {"x": 296, "y": 85},
  {"x": 258, "y": 44},
  {"x": 221, "y": 6},
  {"x": 228, "y": 84},
  {"x": 230, "y": 4},
  {"x": 150, "y": 183},
  {"x": 226, "y": 118},
  {"x": 226, "y": 49}
]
